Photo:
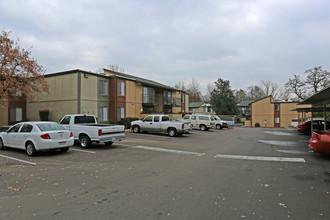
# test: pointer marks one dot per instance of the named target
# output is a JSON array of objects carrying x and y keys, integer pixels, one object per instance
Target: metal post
[{"x": 325, "y": 117}]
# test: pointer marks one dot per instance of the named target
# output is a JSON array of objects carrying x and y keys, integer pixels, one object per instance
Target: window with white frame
[
  {"x": 277, "y": 120},
  {"x": 120, "y": 113},
  {"x": 103, "y": 87},
  {"x": 15, "y": 114},
  {"x": 277, "y": 107},
  {"x": 103, "y": 114},
  {"x": 121, "y": 88}
]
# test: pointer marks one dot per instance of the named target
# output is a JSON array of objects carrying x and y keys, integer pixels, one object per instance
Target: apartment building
[
  {"x": 109, "y": 96},
  {"x": 72, "y": 92},
  {"x": 132, "y": 96},
  {"x": 268, "y": 112}
]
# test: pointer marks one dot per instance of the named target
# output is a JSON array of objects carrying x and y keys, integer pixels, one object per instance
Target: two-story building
[
  {"x": 110, "y": 96},
  {"x": 267, "y": 112},
  {"x": 132, "y": 96}
]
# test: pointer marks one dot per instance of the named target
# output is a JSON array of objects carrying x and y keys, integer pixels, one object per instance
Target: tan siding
[
  {"x": 133, "y": 99},
  {"x": 263, "y": 110},
  {"x": 61, "y": 99},
  {"x": 3, "y": 113}
]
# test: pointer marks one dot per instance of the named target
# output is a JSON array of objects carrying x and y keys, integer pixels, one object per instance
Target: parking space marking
[
  {"x": 85, "y": 151},
  {"x": 276, "y": 159},
  {"x": 23, "y": 161},
  {"x": 168, "y": 150}
]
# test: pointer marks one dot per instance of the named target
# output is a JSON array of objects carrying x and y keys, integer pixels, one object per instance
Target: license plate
[{"x": 62, "y": 142}]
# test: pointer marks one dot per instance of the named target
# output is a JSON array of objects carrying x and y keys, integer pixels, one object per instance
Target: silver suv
[{"x": 202, "y": 122}]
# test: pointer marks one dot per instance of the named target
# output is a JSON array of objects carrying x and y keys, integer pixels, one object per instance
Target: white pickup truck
[
  {"x": 86, "y": 130},
  {"x": 160, "y": 124}
]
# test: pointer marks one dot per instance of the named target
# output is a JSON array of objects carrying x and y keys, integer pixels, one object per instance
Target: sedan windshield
[{"x": 50, "y": 127}]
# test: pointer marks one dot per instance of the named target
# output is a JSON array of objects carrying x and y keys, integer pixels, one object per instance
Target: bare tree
[
  {"x": 255, "y": 92},
  {"x": 296, "y": 86},
  {"x": 116, "y": 68},
  {"x": 273, "y": 89},
  {"x": 194, "y": 92},
  {"x": 180, "y": 85},
  {"x": 317, "y": 78}
]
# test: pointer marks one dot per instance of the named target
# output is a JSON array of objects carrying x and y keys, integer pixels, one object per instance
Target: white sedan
[{"x": 36, "y": 136}]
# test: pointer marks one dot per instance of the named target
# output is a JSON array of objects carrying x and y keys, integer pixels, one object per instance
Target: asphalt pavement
[{"x": 241, "y": 173}]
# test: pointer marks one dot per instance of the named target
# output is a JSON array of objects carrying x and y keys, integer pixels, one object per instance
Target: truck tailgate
[{"x": 112, "y": 129}]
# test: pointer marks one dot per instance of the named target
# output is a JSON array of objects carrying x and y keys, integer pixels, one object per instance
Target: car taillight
[
  {"x": 100, "y": 132},
  {"x": 318, "y": 136},
  {"x": 45, "y": 136},
  {"x": 182, "y": 126},
  {"x": 71, "y": 134}
]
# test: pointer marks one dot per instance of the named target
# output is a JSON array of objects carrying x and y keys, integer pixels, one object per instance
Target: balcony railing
[{"x": 160, "y": 100}]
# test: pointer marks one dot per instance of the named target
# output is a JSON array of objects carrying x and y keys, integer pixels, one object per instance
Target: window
[
  {"x": 186, "y": 117},
  {"x": 66, "y": 120},
  {"x": 103, "y": 87},
  {"x": 103, "y": 113},
  {"x": 165, "y": 118},
  {"x": 15, "y": 128},
  {"x": 26, "y": 128},
  {"x": 50, "y": 127},
  {"x": 84, "y": 119},
  {"x": 120, "y": 113},
  {"x": 205, "y": 118},
  {"x": 277, "y": 107},
  {"x": 15, "y": 114},
  {"x": 156, "y": 119},
  {"x": 167, "y": 97},
  {"x": 148, "y": 119},
  {"x": 193, "y": 117},
  {"x": 277, "y": 120},
  {"x": 121, "y": 88},
  {"x": 148, "y": 95},
  {"x": 182, "y": 98}
]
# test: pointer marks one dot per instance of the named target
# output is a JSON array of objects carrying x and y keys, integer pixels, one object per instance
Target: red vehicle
[
  {"x": 320, "y": 142},
  {"x": 317, "y": 125}
]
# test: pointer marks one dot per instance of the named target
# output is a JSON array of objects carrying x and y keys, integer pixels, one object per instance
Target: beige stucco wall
[
  {"x": 3, "y": 113},
  {"x": 61, "y": 99},
  {"x": 186, "y": 103},
  {"x": 133, "y": 99},
  {"x": 263, "y": 110},
  {"x": 287, "y": 114},
  {"x": 89, "y": 95}
]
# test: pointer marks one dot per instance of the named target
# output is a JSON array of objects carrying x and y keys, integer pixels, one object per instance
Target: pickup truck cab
[
  {"x": 160, "y": 124},
  {"x": 86, "y": 130}
]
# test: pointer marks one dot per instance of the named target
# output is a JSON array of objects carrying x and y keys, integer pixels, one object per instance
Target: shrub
[
  {"x": 257, "y": 124},
  {"x": 44, "y": 115},
  {"x": 127, "y": 122}
]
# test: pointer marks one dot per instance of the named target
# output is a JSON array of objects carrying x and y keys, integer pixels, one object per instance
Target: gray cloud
[{"x": 170, "y": 41}]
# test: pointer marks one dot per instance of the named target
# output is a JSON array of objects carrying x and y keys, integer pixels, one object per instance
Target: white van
[
  {"x": 294, "y": 122},
  {"x": 202, "y": 122}
]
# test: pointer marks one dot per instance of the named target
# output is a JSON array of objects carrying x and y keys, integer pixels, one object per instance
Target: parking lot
[{"x": 241, "y": 173}]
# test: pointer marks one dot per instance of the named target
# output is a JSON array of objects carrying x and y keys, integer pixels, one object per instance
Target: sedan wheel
[
  {"x": 30, "y": 150},
  {"x": 2, "y": 147}
]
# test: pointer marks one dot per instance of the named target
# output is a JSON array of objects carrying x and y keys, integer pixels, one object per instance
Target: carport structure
[{"x": 320, "y": 103}]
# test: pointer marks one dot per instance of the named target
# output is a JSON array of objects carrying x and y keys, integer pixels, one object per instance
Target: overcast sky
[{"x": 168, "y": 41}]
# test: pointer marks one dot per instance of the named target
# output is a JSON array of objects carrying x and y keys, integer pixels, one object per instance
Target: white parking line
[
  {"x": 169, "y": 150},
  {"x": 12, "y": 158},
  {"x": 85, "y": 151},
  {"x": 277, "y": 159}
]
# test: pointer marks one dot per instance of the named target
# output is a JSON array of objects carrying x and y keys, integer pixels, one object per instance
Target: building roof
[
  {"x": 143, "y": 81},
  {"x": 320, "y": 98},
  {"x": 245, "y": 103},
  {"x": 75, "y": 71},
  {"x": 195, "y": 104}
]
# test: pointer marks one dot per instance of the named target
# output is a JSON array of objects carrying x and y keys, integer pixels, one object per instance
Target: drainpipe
[{"x": 325, "y": 117}]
